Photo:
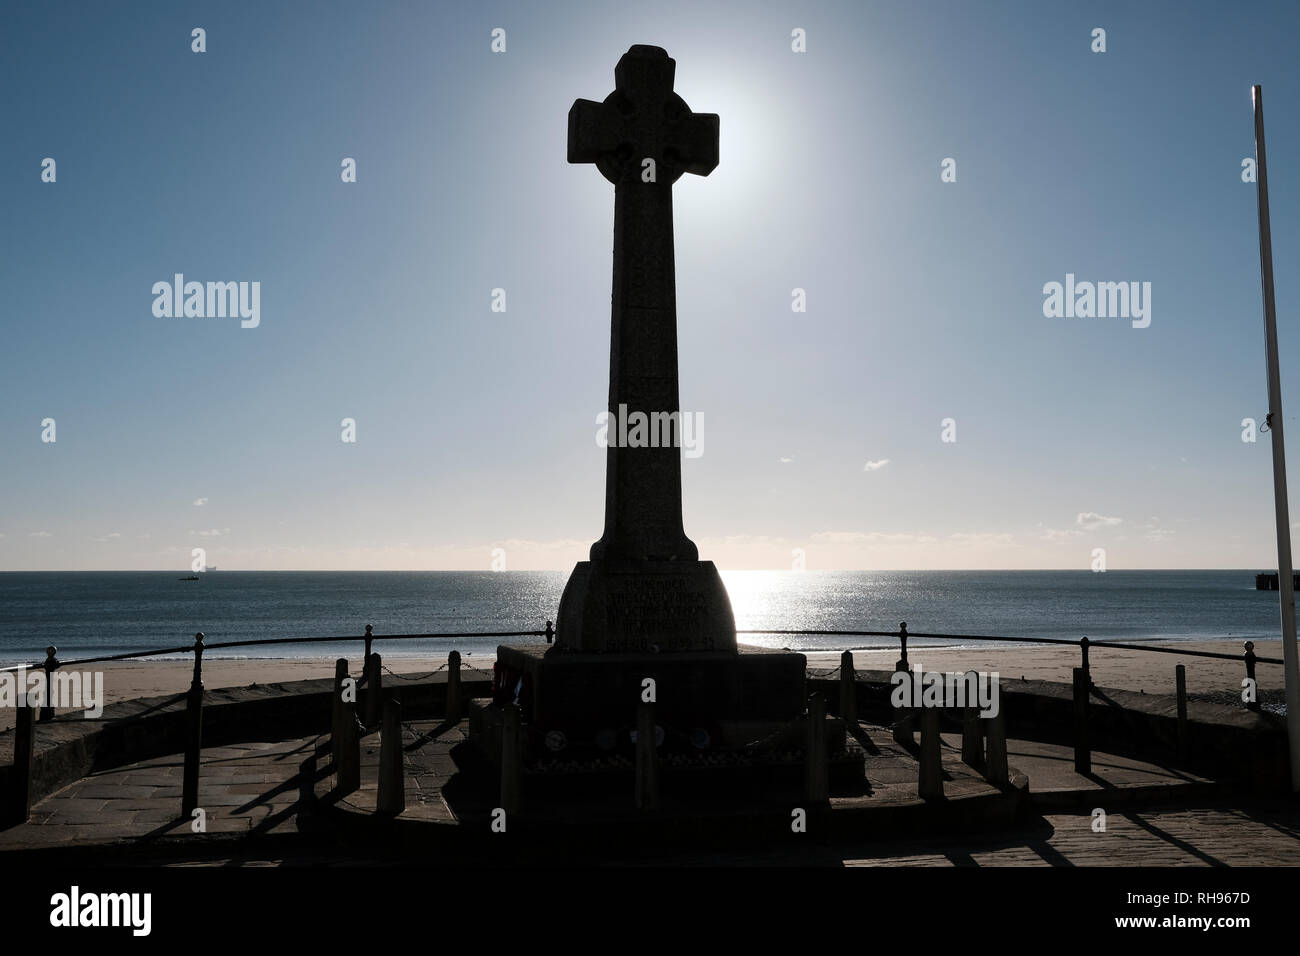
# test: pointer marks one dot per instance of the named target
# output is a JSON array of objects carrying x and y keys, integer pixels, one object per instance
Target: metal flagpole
[{"x": 1285, "y": 588}]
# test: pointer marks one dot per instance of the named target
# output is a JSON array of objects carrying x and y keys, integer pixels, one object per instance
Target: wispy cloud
[
  {"x": 875, "y": 465},
  {"x": 39, "y": 534},
  {"x": 212, "y": 533},
  {"x": 1153, "y": 531},
  {"x": 784, "y": 461},
  {"x": 108, "y": 537},
  {"x": 200, "y": 502},
  {"x": 1091, "y": 521}
]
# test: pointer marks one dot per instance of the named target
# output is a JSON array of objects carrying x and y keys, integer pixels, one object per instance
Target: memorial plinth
[
  {"x": 630, "y": 606},
  {"x": 581, "y": 694}
]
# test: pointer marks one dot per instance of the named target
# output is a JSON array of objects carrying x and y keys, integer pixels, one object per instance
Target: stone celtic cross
[{"x": 642, "y": 138}]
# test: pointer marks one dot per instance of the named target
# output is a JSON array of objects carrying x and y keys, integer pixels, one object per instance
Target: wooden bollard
[
  {"x": 995, "y": 755},
  {"x": 454, "y": 691},
  {"x": 972, "y": 742},
  {"x": 647, "y": 758},
  {"x": 194, "y": 740},
  {"x": 336, "y": 704},
  {"x": 346, "y": 746},
  {"x": 19, "y": 806},
  {"x": 929, "y": 784},
  {"x": 374, "y": 691},
  {"x": 816, "y": 783},
  {"x": 1180, "y": 684},
  {"x": 848, "y": 688},
  {"x": 1249, "y": 658},
  {"x": 392, "y": 778},
  {"x": 904, "y": 721},
  {"x": 1082, "y": 752},
  {"x": 511, "y": 758}
]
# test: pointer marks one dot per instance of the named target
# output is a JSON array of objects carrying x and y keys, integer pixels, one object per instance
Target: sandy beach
[{"x": 1145, "y": 671}]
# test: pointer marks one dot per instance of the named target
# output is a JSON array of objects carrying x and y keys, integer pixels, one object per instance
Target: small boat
[{"x": 192, "y": 577}]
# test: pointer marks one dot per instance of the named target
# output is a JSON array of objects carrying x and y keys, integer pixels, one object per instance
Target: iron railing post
[
  {"x": 194, "y": 743},
  {"x": 50, "y": 666}
]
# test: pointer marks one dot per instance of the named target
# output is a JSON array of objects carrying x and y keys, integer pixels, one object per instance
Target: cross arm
[
  {"x": 592, "y": 135},
  {"x": 694, "y": 141}
]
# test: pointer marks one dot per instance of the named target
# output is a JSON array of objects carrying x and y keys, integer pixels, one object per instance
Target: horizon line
[{"x": 220, "y": 570}]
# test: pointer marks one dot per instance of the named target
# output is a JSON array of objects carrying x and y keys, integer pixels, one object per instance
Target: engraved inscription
[{"x": 662, "y": 612}]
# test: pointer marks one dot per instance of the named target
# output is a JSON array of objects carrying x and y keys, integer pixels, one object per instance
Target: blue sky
[{"x": 476, "y": 429}]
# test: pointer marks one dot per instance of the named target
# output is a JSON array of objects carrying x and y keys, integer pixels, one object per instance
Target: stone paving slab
[
  {"x": 1261, "y": 833},
  {"x": 1114, "y": 781},
  {"x": 244, "y": 788},
  {"x": 1213, "y": 836}
]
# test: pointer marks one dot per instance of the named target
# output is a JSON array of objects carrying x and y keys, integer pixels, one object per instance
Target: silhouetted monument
[
  {"x": 644, "y": 605},
  {"x": 644, "y": 588}
]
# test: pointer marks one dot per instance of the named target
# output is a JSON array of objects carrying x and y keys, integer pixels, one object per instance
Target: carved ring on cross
[{"x": 643, "y": 119}]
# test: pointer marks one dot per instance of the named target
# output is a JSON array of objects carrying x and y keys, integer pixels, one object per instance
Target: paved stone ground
[
  {"x": 251, "y": 789},
  {"x": 1259, "y": 834},
  {"x": 246, "y": 789},
  {"x": 1052, "y": 778},
  {"x": 1208, "y": 836}
]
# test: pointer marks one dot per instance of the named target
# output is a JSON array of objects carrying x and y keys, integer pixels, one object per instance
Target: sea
[{"x": 98, "y": 613}]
